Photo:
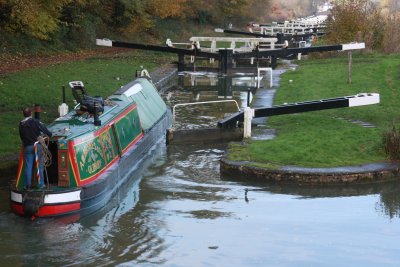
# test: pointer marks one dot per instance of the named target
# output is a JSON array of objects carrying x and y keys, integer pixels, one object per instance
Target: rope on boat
[{"x": 45, "y": 155}]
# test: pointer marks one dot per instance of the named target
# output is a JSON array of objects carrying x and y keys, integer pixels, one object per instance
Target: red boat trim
[
  {"x": 49, "y": 210},
  {"x": 17, "y": 208}
]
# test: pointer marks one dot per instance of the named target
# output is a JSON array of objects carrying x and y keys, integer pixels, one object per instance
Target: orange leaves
[
  {"x": 167, "y": 8},
  {"x": 37, "y": 18},
  {"x": 356, "y": 20}
]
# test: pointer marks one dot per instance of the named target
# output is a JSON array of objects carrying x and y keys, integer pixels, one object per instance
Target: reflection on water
[
  {"x": 179, "y": 211},
  {"x": 182, "y": 213},
  {"x": 205, "y": 86},
  {"x": 389, "y": 203}
]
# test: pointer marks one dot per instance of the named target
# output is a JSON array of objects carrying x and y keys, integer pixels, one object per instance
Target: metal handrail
[{"x": 198, "y": 103}]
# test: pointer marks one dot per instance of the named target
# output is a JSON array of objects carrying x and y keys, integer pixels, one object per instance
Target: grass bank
[
  {"x": 101, "y": 75},
  {"x": 330, "y": 138}
]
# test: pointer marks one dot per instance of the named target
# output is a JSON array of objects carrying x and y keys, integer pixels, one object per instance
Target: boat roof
[
  {"x": 141, "y": 91},
  {"x": 75, "y": 124},
  {"x": 151, "y": 106}
]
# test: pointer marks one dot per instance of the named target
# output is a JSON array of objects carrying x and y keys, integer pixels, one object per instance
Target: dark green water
[{"x": 182, "y": 213}]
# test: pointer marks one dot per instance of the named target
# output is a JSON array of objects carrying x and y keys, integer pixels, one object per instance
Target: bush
[
  {"x": 356, "y": 20},
  {"x": 391, "y": 143},
  {"x": 391, "y": 40}
]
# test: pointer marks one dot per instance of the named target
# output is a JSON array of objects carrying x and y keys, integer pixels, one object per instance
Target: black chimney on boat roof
[
  {"x": 96, "y": 120},
  {"x": 63, "y": 94}
]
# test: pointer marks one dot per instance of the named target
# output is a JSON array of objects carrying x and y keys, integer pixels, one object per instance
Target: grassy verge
[
  {"x": 330, "y": 138},
  {"x": 101, "y": 75}
]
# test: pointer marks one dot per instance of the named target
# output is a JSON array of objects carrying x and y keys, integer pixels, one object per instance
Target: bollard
[
  {"x": 181, "y": 62},
  {"x": 248, "y": 116},
  {"x": 248, "y": 97},
  {"x": 298, "y": 56},
  {"x": 265, "y": 70},
  {"x": 226, "y": 56}
]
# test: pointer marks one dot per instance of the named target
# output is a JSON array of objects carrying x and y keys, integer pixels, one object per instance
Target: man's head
[{"x": 27, "y": 112}]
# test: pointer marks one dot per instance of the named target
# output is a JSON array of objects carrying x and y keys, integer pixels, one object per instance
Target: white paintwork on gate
[
  {"x": 364, "y": 99},
  {"x": 103, "y": 42}
]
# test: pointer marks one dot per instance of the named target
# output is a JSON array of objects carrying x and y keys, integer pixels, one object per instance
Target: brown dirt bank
[
  {"x": 288, "y": 174},
  {"x": 13, "y": 62}
]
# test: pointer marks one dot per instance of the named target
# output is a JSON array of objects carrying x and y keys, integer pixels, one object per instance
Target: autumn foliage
[
  {"x": 364, "y": 21},
  {"x": 80, "y": 19},
  {"x": 77, "y": 23},
  {"x": 34, "y": 17},
  {"x": 391, "y": 39}
]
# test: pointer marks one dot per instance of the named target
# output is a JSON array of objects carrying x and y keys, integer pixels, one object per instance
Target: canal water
[{"x": 179, "y": 211}]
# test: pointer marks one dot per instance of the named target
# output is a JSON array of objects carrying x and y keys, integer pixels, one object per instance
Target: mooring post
[
  {"x": 248, "y": 97},
  {"x": 248, "y": 116},
  {"x": 225, "y": 87},
  {"x": 281, "y": 38},
  {"x": 274, "y": 62},
  {"x": 181, "y": 62},
  {"x": 259, "y": 70},
  {"x": 302, "y": 44},
  {"x": 223, "y": 61},
  {"x": 226, "y": 56},
  {"x": 350, "y": 67}
]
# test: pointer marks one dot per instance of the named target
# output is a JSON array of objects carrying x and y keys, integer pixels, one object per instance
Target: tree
[
  {"x": 355, "y": 20},
  {"x": 166, "y": 8},
  {"x": 37, "y": 18}
]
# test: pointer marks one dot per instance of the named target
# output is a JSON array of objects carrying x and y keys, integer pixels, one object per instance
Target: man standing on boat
[{"x": 29, "y": 130}]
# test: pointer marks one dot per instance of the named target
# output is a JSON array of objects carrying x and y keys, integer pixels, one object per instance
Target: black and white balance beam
[
  {"x": 286, "y": 52},
  {"x": 168, "y": 49},
  {"x": 361, "y": 99}
]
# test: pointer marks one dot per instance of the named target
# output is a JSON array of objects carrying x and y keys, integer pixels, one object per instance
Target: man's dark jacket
[{"x": 30, "y": 129}]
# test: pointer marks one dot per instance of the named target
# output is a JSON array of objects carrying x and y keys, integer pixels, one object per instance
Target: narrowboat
[{"x": 95, "y": 148}]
